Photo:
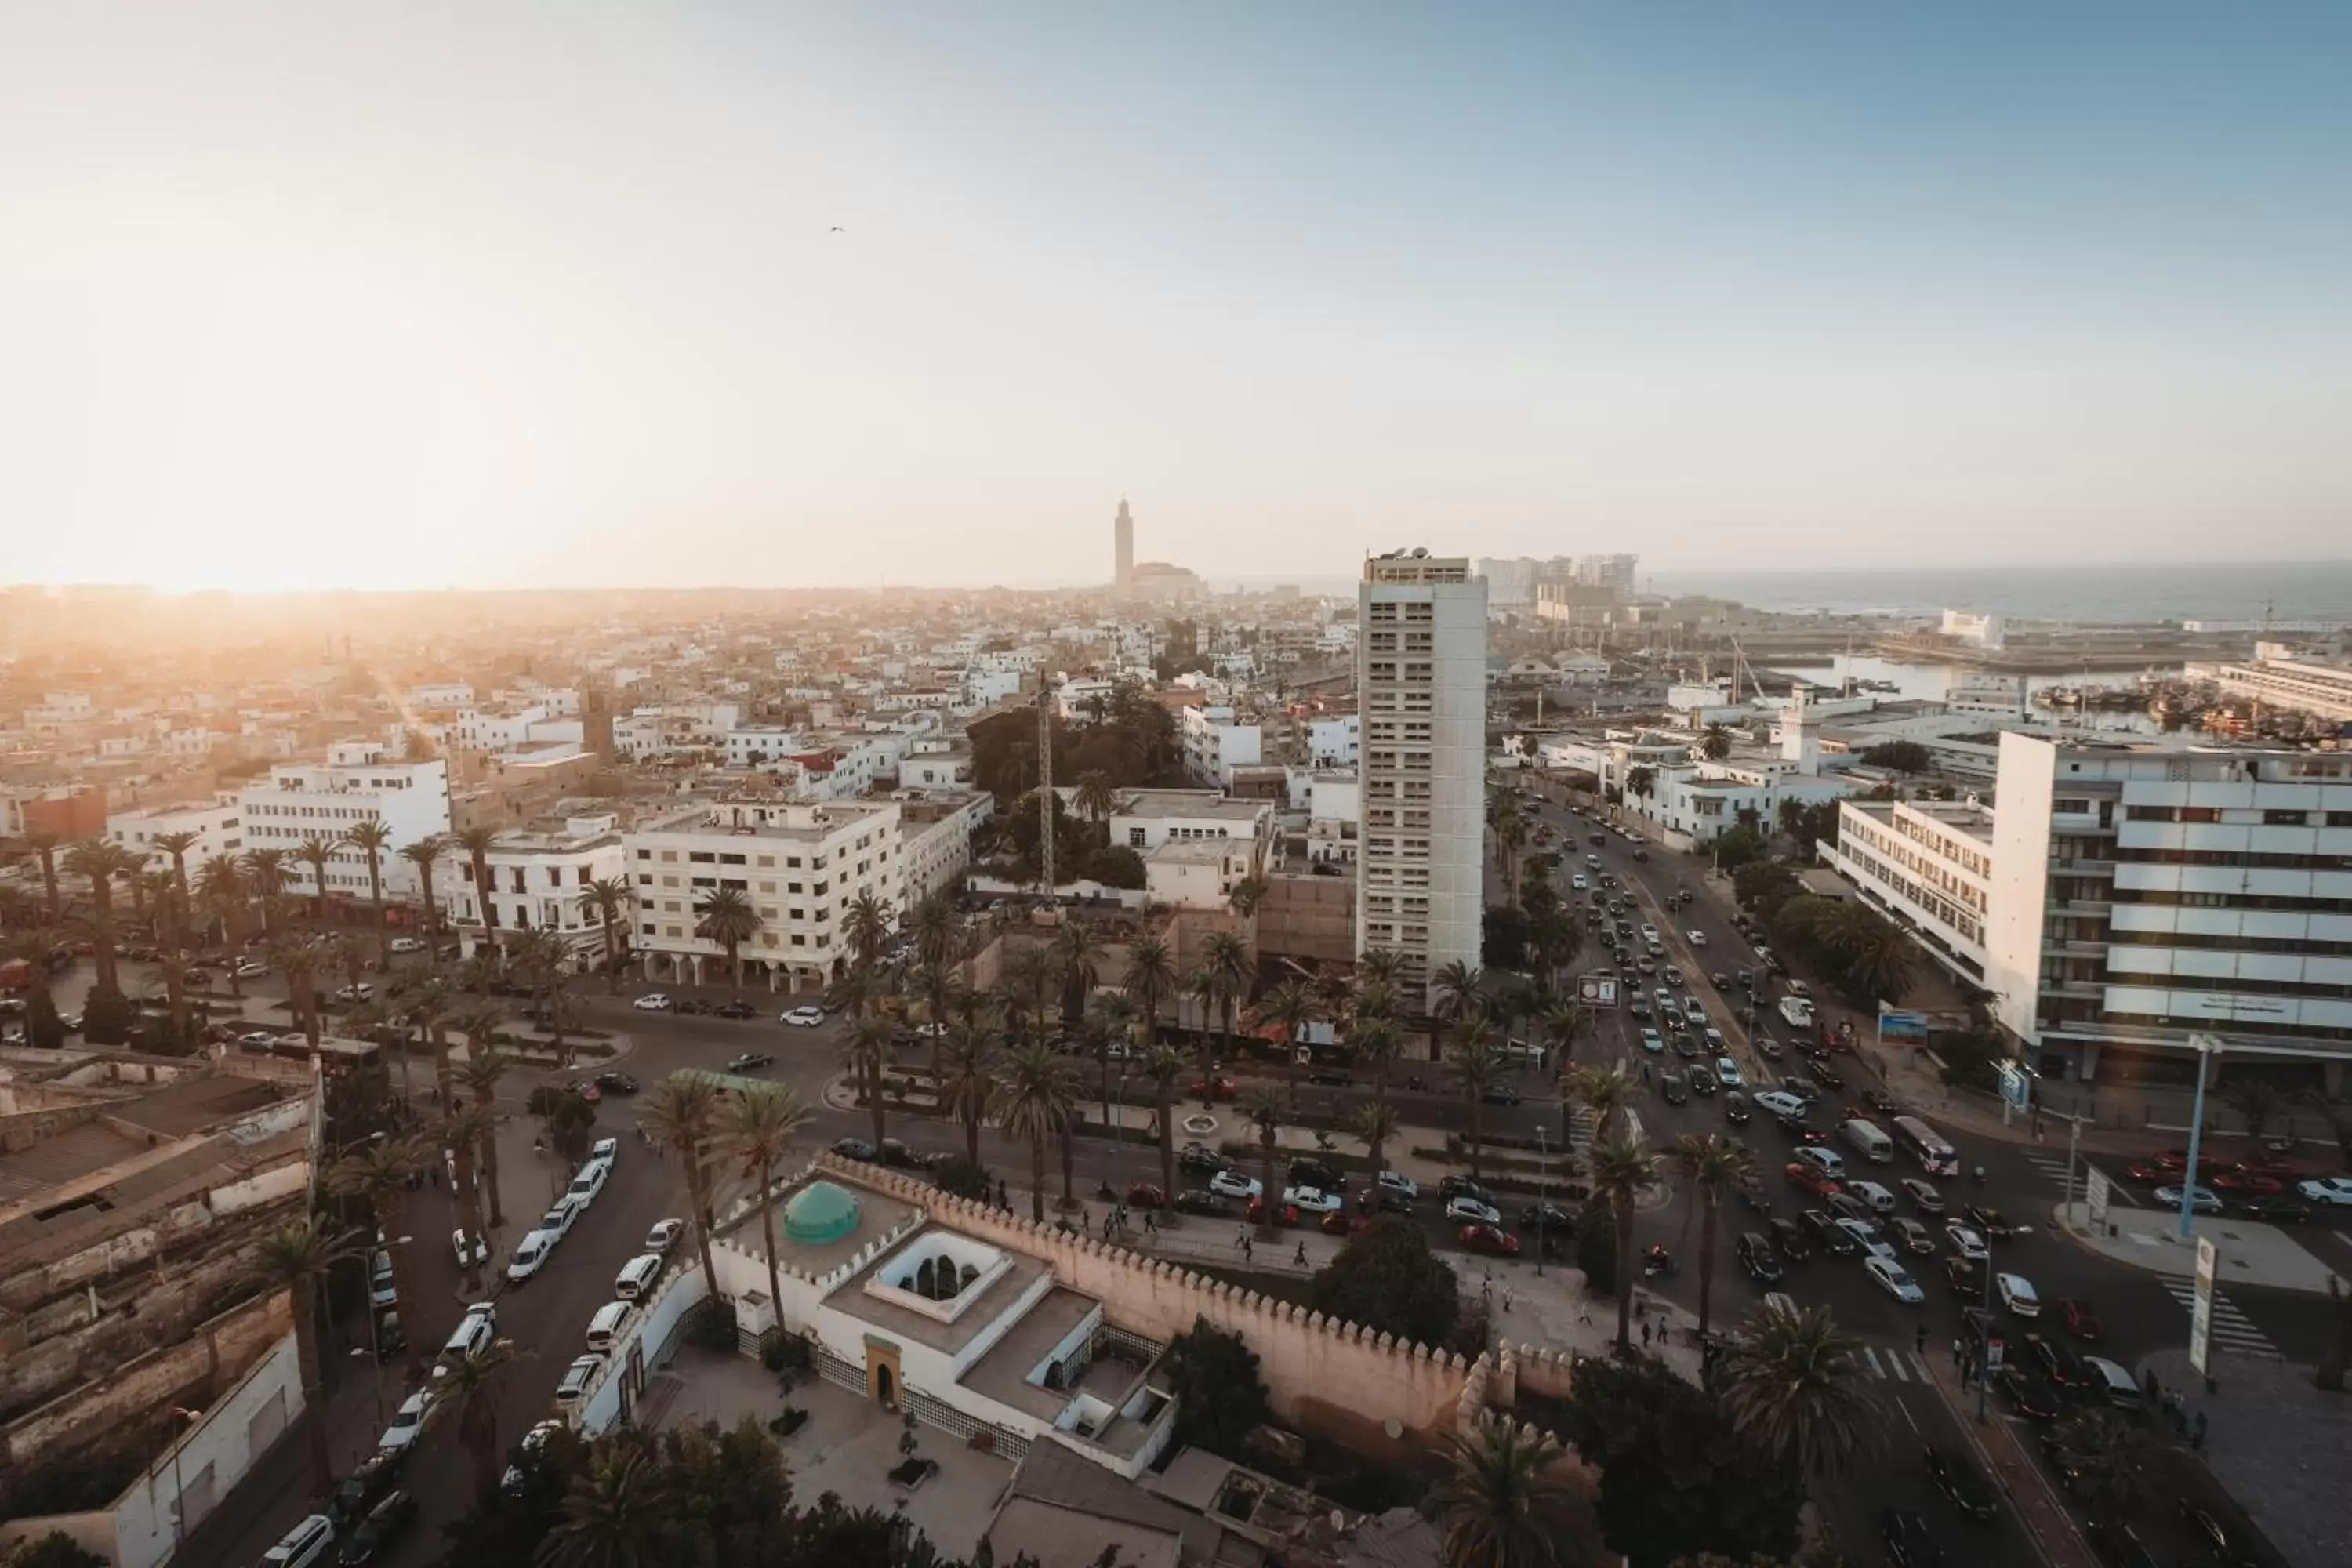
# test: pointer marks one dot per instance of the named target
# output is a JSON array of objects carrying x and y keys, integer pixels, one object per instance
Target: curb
[{"x": 2059, "y": 1227}]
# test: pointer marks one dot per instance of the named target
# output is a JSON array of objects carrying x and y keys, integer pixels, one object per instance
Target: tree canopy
[
  {"x": 1903, "y": 756},
  {"x": 1220, "y": 1398},
  {"x": 1388, "y": 1279},
  {"x": 1738, "y": 847}
]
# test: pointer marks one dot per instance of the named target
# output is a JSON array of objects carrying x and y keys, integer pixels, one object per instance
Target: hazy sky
[{"x": 301, "y": 294}]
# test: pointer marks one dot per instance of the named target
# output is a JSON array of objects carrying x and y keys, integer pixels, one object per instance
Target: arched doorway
[{"x": 884, "y": 1388}]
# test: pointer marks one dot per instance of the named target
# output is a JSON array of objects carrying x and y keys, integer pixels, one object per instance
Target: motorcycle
[
  {"x": 1656, "y": 1263},
  {"x": 1323, "y": 1141}
]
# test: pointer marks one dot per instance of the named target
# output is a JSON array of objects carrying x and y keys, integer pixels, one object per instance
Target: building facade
[
  {"x": 1123, "y": 549},
  {"x": 358, "y": 782},
  {"x": 539, "y": 877},
  {"x": 1421, "y": 676},
  {"x": 214, "y": 826},
  {"x": 1925, "y": 865}
]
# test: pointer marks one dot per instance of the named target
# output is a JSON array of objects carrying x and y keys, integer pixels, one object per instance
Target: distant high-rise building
[
  {"x": 1614, "y": 573},
  {"x": 1122, "y": 546},
  {"x": 1421, "y": 674}
]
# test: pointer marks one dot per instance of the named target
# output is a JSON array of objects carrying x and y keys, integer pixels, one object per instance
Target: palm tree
[
  {"x": 933, "y": 926},
  {"x": 473, "y": 1385},
  {"x": 1640, "y": 781},
  {"x": 1606, "y": 1091},
  {"x": 33, "y": 946},
  {"x": 297, "y": 1255},
  {"x": 1228, "y": 957},
  {"x": 1509, "y": 1502},
  {"x": 1290, "y": 1007},
  {"x": 176, "y": 846},
  {"x": 315, "y": 851},
  {"x": 726, "y": 916},
  {"x": 486, "y": 1065},
  {"x": 1373, "y": 1043},
  {"x": 1036, "y": 1092},
  {"x": 615, "y": 1516},
  {"x": 607, "y": 900},
  {"x": 1111, "y": 1018},
  {"x": 1373, "y": 1124},
  {"x": 378, "y": 1173},
  {"x": 422, "y": 855},
  {"x": 221, "y": 891},
  {"x": 1164, "y": 1066},
  {"x": 1455, "y": 991},
  {"x": 1208, "y": 988},
  {"x": 1555, "y": 938},
  {"x": 867, "y": 1053},
  {"x": 1266, "y": 1114},
  {"x": 966, "y": 1083},
  {"x": 101, "y": 861},
  {"x": 1715, "y": 743},
  {"x": 297, "y": 958},
  {"x": 757, "y": 1128},
  {"x": 477, "y": 843},
  {"x": 681, "y": 1115},
  {"x": 1510, "y": 837},
  {"x": 1151, "y": 981},
  {"x": 1502, "y": 811},
  {"x": 43, "y": 845},
  {"x": 1095, "y": 798},
  {"x": 1479, "y": 1065},
  {"x": 1622, "y": 1168},
  {"x": 866, "y": 922},
  {"x": 1713, "y": 1165},
  {"x": 1077, "y": 952},
  {"x": 462, "y": 1132},
  {"x": 265, "y": 876},
  {"x": 372, "y": 837},
  {"x": 2115, "y": 1471},
  {"x": 1794, "y": 1385},
  {"x": 1027, "y": 975}
]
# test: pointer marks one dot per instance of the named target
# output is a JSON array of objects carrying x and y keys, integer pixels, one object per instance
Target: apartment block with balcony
[
  {"x": 1927, "y": 865},
  {"x": 358, "y": 782},
  {"x": 539, "y": 877},
  {"x": 2141, "y": 895},
  {"x": 800, "y": 865},
  {"x": 1420, "y": 670}
]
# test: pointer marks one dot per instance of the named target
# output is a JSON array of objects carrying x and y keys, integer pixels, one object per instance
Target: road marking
[
  {"x": 1900, "y": 1403},
  {"x": 2231, "y": 1330}
]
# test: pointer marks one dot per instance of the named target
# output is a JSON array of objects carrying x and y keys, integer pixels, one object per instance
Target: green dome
[{"x": 820, "y": 1213}]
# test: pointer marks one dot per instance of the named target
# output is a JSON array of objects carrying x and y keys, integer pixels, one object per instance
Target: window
[
  {"x": 730, "y": 860},
  {"x": 2286, "y": 818},
  {"x": 701, "y": 857}
]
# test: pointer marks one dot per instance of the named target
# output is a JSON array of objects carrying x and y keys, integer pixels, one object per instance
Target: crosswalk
[
  {"x": 2232, "y": 1330},
  {"x": 2053, "y": 1166},
  {"x": 1891, "y": 1363}
]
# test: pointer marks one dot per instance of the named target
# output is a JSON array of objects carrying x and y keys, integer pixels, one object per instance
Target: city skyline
[{"x": 304, "y": 299}]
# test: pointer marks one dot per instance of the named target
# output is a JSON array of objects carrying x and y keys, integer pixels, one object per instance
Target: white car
[
  {"x": 2016, "y": 1293},
  {"x": 252, "y": 969},
  {"x": 1726, "y": 1072},
  {"x": 407, "y": 1423},
  {"x": 470, "y": 1341},
  {"x": 1577, "y": 883},
  {"x": 605, "y": 1152},
  {"x": 1312, "y": 1200},
  {"x": 406, "y": 944},
  {"x": 381, "y": 1293},
  {"x": 359, "y": 992},
  {"x": 2203, "y": 1200},
  {"x": 1799, "y": 988},
  {"x": 1234, "y": 1185},
  {"x": 1889, "y": 1276},
  {"x": 1470, "y": 1211},
  {"x": 1698, "y": 938},
  {"x": 2329, "y": 1190},
  {"x": 1397, "y": 1182},
  {"x": 576, "y": 1378},
  {"x": 530, "y": 1253},
  {"x": 589, "y": 1183},
  {"x": 1797, "y": 1012},
  {"x": 664, "y": 1236},
  {"x": 458, "y": 1249},
  {"x": 1649, "y": 934},
  {"x": 652, "y": 1002},
  {"x": 558, "y": 1220},
  {"x": 1778, "y": 1102},
  {"x": 1966, "y": 1242},
  {"x": 802, "y": 1018}
]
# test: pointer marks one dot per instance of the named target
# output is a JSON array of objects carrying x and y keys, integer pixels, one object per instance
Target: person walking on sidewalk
[{"x": 1300, "y": 1257}]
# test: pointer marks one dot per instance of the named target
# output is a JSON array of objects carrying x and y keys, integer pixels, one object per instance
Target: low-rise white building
[
  {"x": 1147, "y": 818},
  {"x": 539, "y": 879},
  {"x": 937, "y": 831},
  {"x": 1216, "y": 742},
  {"x": 358, "y": 782},
  {"x": 758, "y": 746},
  {"x": 1198, "y": 874},
  {"x": 215, "y": 824},
  {"x": 1337, "y": 742}
]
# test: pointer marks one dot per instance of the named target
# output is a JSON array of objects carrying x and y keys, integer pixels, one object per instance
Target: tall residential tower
[
  {"x": 1123, "y": 549},
  {"x": 1420, "y": 673}
]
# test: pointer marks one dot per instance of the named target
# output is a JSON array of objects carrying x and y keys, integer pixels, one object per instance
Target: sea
[{"x": 2135, "y": 594}]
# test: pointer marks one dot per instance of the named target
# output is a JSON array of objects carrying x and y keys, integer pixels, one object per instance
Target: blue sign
[
  {"x": 2016, "y": 1085},
  {"x": 1893, "y": 1026}
]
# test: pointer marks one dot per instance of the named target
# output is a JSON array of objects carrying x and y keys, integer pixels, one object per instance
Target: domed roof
[{"x": 819, "y": 1213}]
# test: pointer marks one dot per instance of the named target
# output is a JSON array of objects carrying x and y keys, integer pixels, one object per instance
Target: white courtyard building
[
  {"x": 1421, "y": 675},
  {"x": 539, "y": 876},
  {"x": 358, "y": 782},
  {"x": 1337, "y": 742},
  {"x": 800, "y": 865}
]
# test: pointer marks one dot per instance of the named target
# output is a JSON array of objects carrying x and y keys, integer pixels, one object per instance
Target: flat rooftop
[
  {"x": 1187, "y": 803},
  {"x": 1002, "y": 1373},
  {"x": 949, "y": 1339}
]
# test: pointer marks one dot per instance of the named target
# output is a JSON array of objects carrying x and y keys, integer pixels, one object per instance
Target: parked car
[
  {"x": 1213, "y": 1088},
  {"x": 1234, "y": 1185},
  {"x": 652, "y": 1002},
  {"x": 802, "y": 1017},
  {"x": 1145, "y": 1195},
  {"x": 1488, "y": 1238},
  {"x": 378, "y": 1529},
  {"x": 407, "y": 1424},
  {"x": 2331, "y": 1191},
  {"x": 1312, "y": 1200},
  {"x": 2278, "y": 1210},
  {"x": 855, "y": 1148},
  {"x": 1461, "y": 1186},
  {"x": 1200, "y": 1158},
  {"x": 1193, "y": 1200},
  {"x": 1466, "y": 1210},
  {"x": 664, "y": 1236}
]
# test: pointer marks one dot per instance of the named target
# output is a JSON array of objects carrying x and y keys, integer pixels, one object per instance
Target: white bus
[{"x": 1927, "y": 1145}]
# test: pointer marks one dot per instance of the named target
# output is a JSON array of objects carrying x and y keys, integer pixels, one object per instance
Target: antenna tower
[{"x": 1046, "y": 787}]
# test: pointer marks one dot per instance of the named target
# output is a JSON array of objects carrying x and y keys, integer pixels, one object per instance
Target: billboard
[
  {"x": 2016, "y": 1085},
  {"x": 2201, "y": 1309},
  {"x": 2097, "y": 1195},
  {"x": 1898, "y": 1026},
  {"x": 1598, "y": 989}
]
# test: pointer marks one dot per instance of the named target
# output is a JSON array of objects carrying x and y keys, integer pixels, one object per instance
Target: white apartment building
[
  {"x": 537, "y": 876},
  {"x": 358, "y": 782},
  {"x": 439, "y": 694},
  {"x": 1925, "y": 865},
  {"x": 214, "y": 824},
  {"x": 937, "y": 831},
  {"x": 1420, "y": 673},
  {"x": 800, "y": 863},
  {"x": 933, "y": 770},
  {"x": 1337, "y": 742},
  {"x": 2140, "y": 896},
  {"x": 1197, "y": 874},
  {"x": 758, "y": 746},
  {"x": 1147, "y": 818},
  {"x": 850, "y": 765},
  {"x": 1216, "y": 742}
]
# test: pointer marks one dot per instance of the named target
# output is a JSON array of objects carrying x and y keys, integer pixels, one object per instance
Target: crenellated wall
[{"x": 1335, "y": 1377}]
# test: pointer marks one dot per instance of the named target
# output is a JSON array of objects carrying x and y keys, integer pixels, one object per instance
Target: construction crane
[{"x": 1045, "y": 787}]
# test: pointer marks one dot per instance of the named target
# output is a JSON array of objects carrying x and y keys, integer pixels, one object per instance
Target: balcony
[{"x": 2078, "y": 906}]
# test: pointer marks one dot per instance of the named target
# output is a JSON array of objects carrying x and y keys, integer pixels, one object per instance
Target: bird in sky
[{"x": 838, "y": 229}]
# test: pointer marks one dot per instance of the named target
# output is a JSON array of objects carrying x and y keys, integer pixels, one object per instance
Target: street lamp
[
  {"x": 2206, "y": 1046},
  {"x": 179, "y": 1497},
  {"x": 1543, "y": 1194}
]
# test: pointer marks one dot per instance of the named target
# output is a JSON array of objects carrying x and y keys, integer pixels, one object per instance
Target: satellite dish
[
  {"x": 1393, "y": 1428},
  {"x": 1339, "y": 1520}
]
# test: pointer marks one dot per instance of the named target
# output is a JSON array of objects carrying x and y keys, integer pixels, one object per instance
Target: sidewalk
[
  {"x": 2275, "y": 1444},
  {"x": 2249, "y": 1253},
  {"x": 2005, "y": 1453}
]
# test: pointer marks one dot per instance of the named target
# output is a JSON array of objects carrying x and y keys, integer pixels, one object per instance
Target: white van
[
  {"x": 1866, "y": 1139},
  {"x": 529, "y": 1253},
  {"x": 606, "y": 1326},
  {"x": 637, "y": 1276},
  {"x": 302, "y": 1545},
  {"x": 1828, "y": 1162},
  {"x": 1877, "y": 1198},
  {"x": 1780, "y": 1102}
]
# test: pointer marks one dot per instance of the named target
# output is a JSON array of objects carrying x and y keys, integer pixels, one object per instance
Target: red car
[
  {"x": 1214, "y": 1089},
  {"x": 2151, "y": 1172},
  {"x": 1807, "y": 1177},
  {"x": 1340, "y": 1222},
  {"x": 2248, "y": 1182},
  {"x": 2082, "y": 1319},
  {"x": 1144, "y": 1195},
  {"x": 1487, "y": 1238},
  {"x": 1286, "y": 1215}
]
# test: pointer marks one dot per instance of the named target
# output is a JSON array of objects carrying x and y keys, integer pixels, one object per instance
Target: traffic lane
[{"x": 1917, "y": 1418}]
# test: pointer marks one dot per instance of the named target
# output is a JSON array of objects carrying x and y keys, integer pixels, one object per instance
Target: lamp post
[
  {"x": 1543, "y": 1194},
  {"x": 179, "y": 1497},
  {"x": 2206, "y": 1046}
]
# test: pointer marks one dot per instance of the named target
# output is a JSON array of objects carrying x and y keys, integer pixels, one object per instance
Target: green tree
[
  {"x": 44, "y": 846},
  {"x": 1714, "y": 743},
  {"x": 54, "y": 1550},
  {"x": 1373, "y": 1124},
  {"x": 1508, "y": 1501},
  {"x": 608, "y": 900},
  {"x": 1220, "y": 1398},
  {"x": 1713, "y": 1165},
  {"x": 1387, "y": 1279},
  {"x": 1151, "y": 981},
  {"x": 1899, "y": 756},
  {"x": 297, "y": 1255},
  {"x": 867, "y": 1054},
  {"x": 1456, "y": 992},
  {"x": 317, "y": 851},
  {"x": 866, "y": 921},
  {"x": 486, "y": 1068},
  {"x": 378, "y": 1173},
  {"x": 756, "y": 1129},
  {"x": 1640, "y": 781},
  {"x": 1164, "y": 1068},
  {"x": 1227, "y": 957},
  {"x": 1077, "y": 952},
  {"x": 1795, "y": 1386},
  {"x": 2116, "y": 1464},
  {"x": 101, "y": 862},
  {"x": 1596, "y": 1247},
  {"x": 1036, "y": 1092},
  {"x": 1266, "y": 1115},
  {"x": 424, "y": 854},
  {"x": 726, "y": 916},
  {"x": 1290, "y": 1007},
  {"x": 1479, "y": 1066},
  {"x": 1736, "y": 848},
  {"x": 616, "y": 1515},
  {"x": 476, "y": 843},
  {"x": 1623, "y": 1169},
  {"x": 681, "y": 1115},
  {"x": 965, "y": 1083}
]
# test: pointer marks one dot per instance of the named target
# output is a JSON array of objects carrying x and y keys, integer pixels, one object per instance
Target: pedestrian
[
  {"x": 1240, "y": 1236},
  {"x": 1300, "y": 1257},
  {"x": 1959, "y": 1356},
  {"x": 1645, "y": 1073},
  {"x": 2196, "y": 1437},
  {"x": 1920, "y": 1346},
  {"x": 1249, "y": 1253},
  {"x": 1584, "y": 1312},
  {"x": 1507, "y": 1298},
  {"x": 1645, "y": 1334},
  {"x": 433, "y": 1173}
]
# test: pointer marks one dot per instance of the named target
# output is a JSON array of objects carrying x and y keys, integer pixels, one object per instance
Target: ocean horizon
[{"x": 2284, "y": 590}]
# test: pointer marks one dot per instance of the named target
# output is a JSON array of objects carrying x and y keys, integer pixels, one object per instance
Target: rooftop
[
  {"x": 1188, "y": 803},
  {"x": 950, "y": 1337}
]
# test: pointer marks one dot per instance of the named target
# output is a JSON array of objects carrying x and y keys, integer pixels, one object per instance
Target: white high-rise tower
[{"x": 1421, "y": 675}]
